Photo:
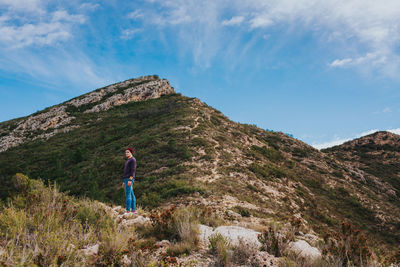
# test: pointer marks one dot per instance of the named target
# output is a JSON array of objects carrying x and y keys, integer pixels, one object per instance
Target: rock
[
  {"x": 91, "y": 251},
  {"x": 263, "y": 258},
  {"x": 303, "y": 249},
  {"x": 163, "y": 243},
  {"x": 231, "y": 232},
  {"x": 126, "y": 261},
  {"x": 311, "y": 239},
  {"x": 149, "y": 90},
  {"x": 141, "y": 220},
  {"x": 233, "y": 215}
]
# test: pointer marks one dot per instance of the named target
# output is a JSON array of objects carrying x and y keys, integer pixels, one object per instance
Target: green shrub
[
  {"x": 221, "y": 247},
  {"x": 242, "y": 211}
]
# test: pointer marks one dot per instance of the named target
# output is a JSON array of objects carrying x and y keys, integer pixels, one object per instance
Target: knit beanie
[{"x": 130, "y": 149}]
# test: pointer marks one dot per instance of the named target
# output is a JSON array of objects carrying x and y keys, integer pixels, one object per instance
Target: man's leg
[
  {"x": 133, "y": 199},
  {"x": 128, "y": 194}
]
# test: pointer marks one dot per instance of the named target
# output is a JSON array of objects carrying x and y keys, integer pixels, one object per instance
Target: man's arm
[{"x": 133, "y": 169}]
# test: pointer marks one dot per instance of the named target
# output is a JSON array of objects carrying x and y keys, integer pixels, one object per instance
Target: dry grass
[{"x": 42, "y": 226}]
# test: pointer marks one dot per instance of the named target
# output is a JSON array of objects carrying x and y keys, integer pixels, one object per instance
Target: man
[{"x": 129, "y": 178}]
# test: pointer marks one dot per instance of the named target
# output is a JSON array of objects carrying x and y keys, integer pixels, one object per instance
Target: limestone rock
[
  {"x": 140, "y": 220},
  {"x": 126, "y": 261},
  {"x": 233, "y": 233},
  {"x": 303, "y": 249},
  {"x": 91, "y": 250},
  {"x": 163, "y": 243}
]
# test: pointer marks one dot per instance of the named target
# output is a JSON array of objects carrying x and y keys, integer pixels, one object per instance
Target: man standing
[{"x": 129, "y": 178}]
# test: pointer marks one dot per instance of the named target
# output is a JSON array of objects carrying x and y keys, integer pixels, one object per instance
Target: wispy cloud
[
  {"x": 39, "y": 27},
  {"x": 129, "y": 33},
  {"x": 233, "y": 21},
  {"x": 365, "y": 30},
  {"x": 89, "y": 6},
  {"x": 373, "y": 59}
]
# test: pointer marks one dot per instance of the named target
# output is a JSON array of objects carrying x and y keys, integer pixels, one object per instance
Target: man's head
[{"x": 129, "y": 152}]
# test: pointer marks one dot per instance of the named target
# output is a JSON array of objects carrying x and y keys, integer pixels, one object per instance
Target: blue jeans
[{"x": 130, "y": 197}]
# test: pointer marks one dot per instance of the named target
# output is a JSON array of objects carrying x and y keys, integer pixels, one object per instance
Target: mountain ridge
[{"x": 54, "y": 119}]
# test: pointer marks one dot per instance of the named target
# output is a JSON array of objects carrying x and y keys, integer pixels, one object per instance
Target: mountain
[
  {"x": 378, "y": 155},
  {"x": 189, "y": 152}
]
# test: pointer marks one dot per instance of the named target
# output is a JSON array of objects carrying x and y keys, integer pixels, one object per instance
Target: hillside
[
  {"x": 189, "y": 152},
  {"x": 377, "y": 154}
]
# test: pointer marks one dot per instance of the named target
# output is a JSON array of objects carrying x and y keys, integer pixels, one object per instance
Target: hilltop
[{"x": 190, "y": 153}]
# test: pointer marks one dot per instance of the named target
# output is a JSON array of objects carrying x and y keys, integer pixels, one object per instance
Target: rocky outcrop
[
  {"x": 34, "y": 125},
  {"x": 142, "y": 92},
  {"x": 58, "y": 119}
]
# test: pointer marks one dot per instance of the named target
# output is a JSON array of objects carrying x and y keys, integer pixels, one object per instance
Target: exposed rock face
[{"x": 58, "y": 119}]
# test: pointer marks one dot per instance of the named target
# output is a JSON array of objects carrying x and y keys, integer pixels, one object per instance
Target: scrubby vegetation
[
  {"x": 39, "y": 225},
  {"x": 88, "y": 161}
]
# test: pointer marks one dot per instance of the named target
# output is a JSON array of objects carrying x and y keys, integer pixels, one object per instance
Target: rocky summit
[
  {"x": 57, "y": 119},
  {"x": 241, "y": 181}
]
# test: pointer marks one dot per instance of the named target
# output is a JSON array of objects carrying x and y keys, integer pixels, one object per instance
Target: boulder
[
  {"x": 303, "y": 249},
  {"x": 233, "y": 233}
]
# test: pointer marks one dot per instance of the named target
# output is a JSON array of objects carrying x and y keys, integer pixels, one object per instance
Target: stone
[
  {"x": 263, "y": 258},
  {"x": 140, "y": 220},
  {"x": 163, "y": 243},
  {"x": 303, "y": 249},
  {"x": 126, "y": 261},
  {"x": 233, "y": 215},
  {"x": 233, "y": 233},
  {"x": 91, "y": 250}
]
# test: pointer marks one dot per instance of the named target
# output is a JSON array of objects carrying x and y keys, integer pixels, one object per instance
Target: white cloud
[
  {"x": 23, "y": 5},
  {"x": 137, "y": 14},
  {"x": 233, "y": 21},
  {"x": 40, "y": 27},
  {"x": 341, "y": 62},
  {"x": 89, "y": 6},
  {"x": 370, "y": 58},
  {"x": 331, "y": 143},
  {"x": 364, "y": 32},
  {"x": 129, "y": 33},
  {"x": 395, "y": 131}
]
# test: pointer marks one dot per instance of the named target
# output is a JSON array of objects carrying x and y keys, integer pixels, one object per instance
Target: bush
[
  {"x": 349, "y": 246},
  {"x": 242, "y": 211},
  {"x": 274, "y": 241},
  {"x": 179, "y": 225},
  {"x": 221, "y": 247},
  {"x": 243, "y": 251}
]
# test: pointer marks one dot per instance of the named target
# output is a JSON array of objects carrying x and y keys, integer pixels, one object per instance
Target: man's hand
[
  {"x": 129, "y": 183},
  {"x": 123, "y": 185}
]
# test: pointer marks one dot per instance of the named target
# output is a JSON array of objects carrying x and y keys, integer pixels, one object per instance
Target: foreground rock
[{"x": 305, "y": 250}]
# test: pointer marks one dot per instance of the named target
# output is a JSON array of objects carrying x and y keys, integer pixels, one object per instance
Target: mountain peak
[
  {"x": 379, "y": 138},
  {"x": 59, "y": 118}
]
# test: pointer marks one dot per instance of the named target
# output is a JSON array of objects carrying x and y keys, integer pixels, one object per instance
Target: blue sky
[{"x": 325, "y": 71}]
